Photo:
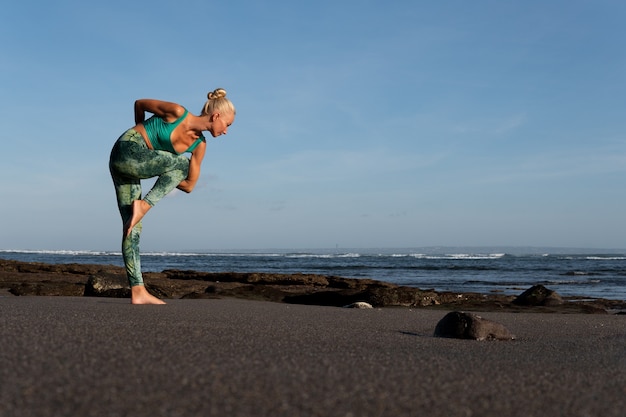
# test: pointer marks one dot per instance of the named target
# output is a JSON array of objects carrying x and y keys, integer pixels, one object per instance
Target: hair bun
[{"x": 217, "y": 93}]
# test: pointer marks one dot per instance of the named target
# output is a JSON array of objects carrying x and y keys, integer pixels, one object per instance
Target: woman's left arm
[
  {"x": 188, "y": 184},
  {"x": 164, "y": 109}
]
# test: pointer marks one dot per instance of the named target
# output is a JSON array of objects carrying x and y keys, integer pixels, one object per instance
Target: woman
[{"x": 154, "y": 148}]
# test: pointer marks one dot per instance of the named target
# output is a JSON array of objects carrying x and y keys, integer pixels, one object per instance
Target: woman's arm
[
  {"x": 188, "y": 184},
  {"x": 164, "y": 109}
]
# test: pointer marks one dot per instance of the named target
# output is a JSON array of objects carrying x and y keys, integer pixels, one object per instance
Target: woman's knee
[{"x": 183, "y": 166}]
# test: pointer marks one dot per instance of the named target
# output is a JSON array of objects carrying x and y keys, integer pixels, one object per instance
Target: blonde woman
[{"x": 155, "y": 148}]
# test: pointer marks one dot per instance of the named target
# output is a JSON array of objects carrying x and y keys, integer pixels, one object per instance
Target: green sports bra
[{"x": 159, "y": 133}]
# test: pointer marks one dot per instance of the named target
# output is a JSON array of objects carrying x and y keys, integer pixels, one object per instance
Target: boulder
[
  {"x": 461, "y": 325},
  {"x": 538, "y": 295},
  {"x": 107, "y": 285}
]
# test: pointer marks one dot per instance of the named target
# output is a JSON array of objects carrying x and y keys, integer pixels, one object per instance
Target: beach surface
[{"x": 89, "y": 356}]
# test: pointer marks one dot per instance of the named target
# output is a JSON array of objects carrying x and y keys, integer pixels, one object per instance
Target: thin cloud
[
  {"x": 330, "y": 165},
  {"x": 562, "y": 164}
]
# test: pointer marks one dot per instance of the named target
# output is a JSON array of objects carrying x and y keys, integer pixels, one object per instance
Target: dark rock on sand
[
  {"x": 108, "y": 285},
  {"x": 538, "y": 295},
  {"x": 308, "y": 289},
  {"x": 47, "y": 288},
  {"x": 462, "y": 325},
  {"x": 250, "y": 278},
  {"x": 379, "y": 296}
]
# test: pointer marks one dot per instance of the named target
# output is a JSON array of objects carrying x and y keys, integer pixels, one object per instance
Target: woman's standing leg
[
  {"x": 127, "y": 191},
  {"x": 131, "y": 161}
]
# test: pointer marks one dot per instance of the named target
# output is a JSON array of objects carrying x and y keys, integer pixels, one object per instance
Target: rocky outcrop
[
  {"x": 308, "y": 289},
  {"x": 462, "y": 325},
  {"x": 26, "y": 278}
]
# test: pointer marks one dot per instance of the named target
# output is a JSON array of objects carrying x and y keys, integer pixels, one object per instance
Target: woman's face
[{"x": 221, "y": 123}]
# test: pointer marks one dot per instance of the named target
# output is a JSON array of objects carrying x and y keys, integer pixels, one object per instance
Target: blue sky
[{"x": 360, "y": 123}]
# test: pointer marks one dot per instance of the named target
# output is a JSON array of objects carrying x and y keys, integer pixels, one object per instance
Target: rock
[
  {"x": 462, "y": 325},
  {"x": 378, "y": 296},
  {"x": 359, "y": 304},
  {"x": 399, "y": 296},
  {"x": 538, "y": 295},
  {"x": 107, "y": 286},
  {"x": 68, "y": 289},
  {"x": 249, "y": 277}
]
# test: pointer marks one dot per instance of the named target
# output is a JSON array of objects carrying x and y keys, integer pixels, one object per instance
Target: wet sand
[{"x": 84, "y": 356}]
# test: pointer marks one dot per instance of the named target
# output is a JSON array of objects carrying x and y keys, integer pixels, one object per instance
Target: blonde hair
[{"x": 217, "y": 102}]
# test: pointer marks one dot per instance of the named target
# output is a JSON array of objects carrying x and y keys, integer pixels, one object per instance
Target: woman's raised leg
[{"x": 139, "y": 208}]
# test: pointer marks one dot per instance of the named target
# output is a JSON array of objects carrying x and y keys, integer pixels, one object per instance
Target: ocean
[{"x": 581, "y": 273}]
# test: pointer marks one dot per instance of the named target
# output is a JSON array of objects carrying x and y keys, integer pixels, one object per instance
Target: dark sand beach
[
  {"x": 281, "y": 345},
  {"x": 88, "y": 356}
]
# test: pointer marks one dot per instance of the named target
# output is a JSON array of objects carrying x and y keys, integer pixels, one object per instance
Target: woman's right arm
[
  {"x": 188, "y": 184},
  {"x": 164, "y": 109}
]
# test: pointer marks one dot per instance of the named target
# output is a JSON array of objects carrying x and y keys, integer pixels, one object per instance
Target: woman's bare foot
[
  {"x": 139, "y": 295},
  {"x": 139, "y": 209}
]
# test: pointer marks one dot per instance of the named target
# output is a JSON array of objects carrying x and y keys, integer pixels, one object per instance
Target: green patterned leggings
[{"x": 131, "y": 161}]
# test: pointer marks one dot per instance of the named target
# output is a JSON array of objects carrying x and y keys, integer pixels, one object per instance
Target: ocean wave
[
  {"x": 328, "y": 254},
  {"x": 587, "y": 257},
  {"x": 571, "y": 282},
  {"x": 201, "y": 254},
  {"x": 323, "y": 255},
  {"x": 459, "y": 256},
  {"x": 294, "y": 255},
  {"x": 60, "y": 252},
  {"x": 579, "y": 273}
]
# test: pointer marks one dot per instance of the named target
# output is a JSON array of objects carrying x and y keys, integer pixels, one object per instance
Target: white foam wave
[
  {"x": 279, "y": 253},
  {"x": 459, "y": 256},
  {"x": 572, "y": 282},
  {"x": 60, "y": 252},
  {"x": 322, "y": 255}
]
